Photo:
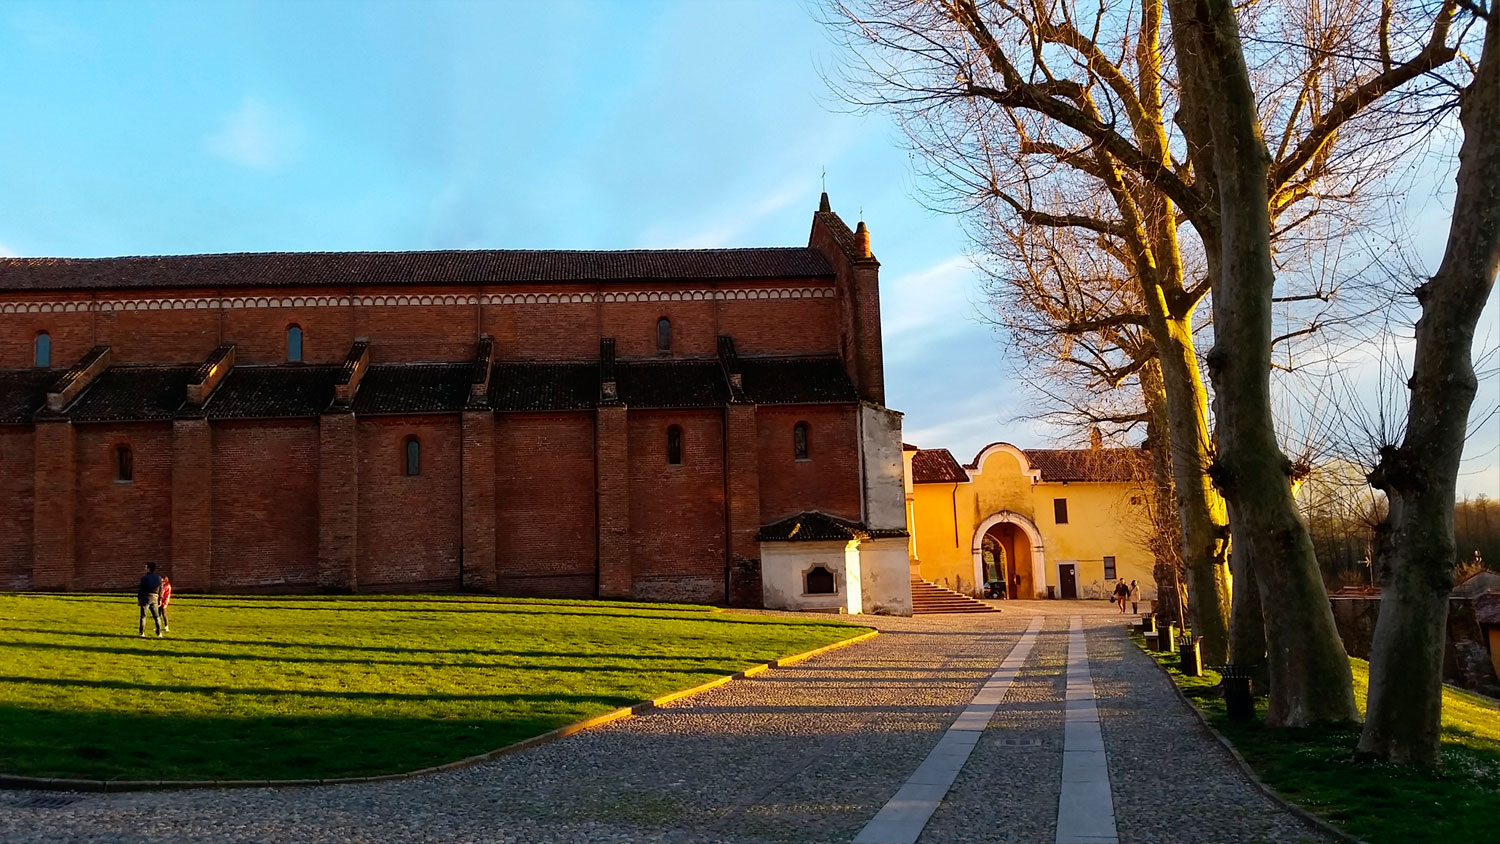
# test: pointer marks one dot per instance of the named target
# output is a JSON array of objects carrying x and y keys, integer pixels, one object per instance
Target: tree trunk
[
  {"x": 1166, "y": 532},
  {"x": 1201, "y": 513},
  {"x": 1247, "y": 623},
  {"x": 1419, "y": 477},
  {"x": 1310, "y": 676}
]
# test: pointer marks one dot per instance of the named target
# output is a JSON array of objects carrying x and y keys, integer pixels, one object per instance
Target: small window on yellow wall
[
  {"x": 1060, "y": 511},
  {"x": 1109, "y": 568},
  {"x": 413, "y": 457}
]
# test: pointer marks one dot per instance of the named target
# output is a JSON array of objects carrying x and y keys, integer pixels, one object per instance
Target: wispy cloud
[
  {"x": 733, "y": 224},
  {"x": 7, "y": 252},
  {"x": 256, "y": 136}
]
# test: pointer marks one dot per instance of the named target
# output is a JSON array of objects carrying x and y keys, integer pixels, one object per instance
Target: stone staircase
[{"x": 928, "y": 597}]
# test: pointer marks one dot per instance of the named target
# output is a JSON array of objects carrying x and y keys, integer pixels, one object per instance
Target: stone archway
[{"x": 1034, "y": 536}]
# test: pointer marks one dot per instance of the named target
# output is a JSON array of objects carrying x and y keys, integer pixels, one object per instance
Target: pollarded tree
[
  {"x": 1419, "y": 476},
  {"x": 1061, "y": 117}
]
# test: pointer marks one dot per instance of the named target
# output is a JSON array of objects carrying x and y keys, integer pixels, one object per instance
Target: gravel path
[
  {"x": 807, "y": 753},
  {"x": 1171, "y": 781}
]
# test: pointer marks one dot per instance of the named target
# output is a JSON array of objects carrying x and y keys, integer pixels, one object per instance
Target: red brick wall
[
  {"x": 409, "y": 527},
  {"x": 402, "y": 334},
  {"x": 544, "y": 504},
  {"x": 782, "y": 326},
  {"x": 536, "y": 331},
  {"x": 828, "y": 481},
  {"x": 122, "y": 526},
  {"x": 17, "y": 477},
  {"x": 677, "y": 512},
  {"x": 145, "y": 337},
  {"x": 695, "y": 328},
  {"x": 259, "y": 334},
  {"x": 265, "y": 505},
  {"x": 72, "y": 335}
]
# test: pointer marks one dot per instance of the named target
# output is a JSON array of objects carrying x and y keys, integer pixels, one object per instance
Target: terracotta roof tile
[
  {"x": 134, "y": 393},
  {"x": 273, "y": 392},
  {"x": 23, "y": 392},
  {"x": 936, "y": 466},
  {"x": 414, "y": 388},
  {"x": 439, "y": 268},
  {"x": 544, "y": 386},
  {"x": 1082, "y": 464},
  {"x": 674, "y": 383},
  {"x": 813, "y": 526},
  {"x": 806, "y": 380}
]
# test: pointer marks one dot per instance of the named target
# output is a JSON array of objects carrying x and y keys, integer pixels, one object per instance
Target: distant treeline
[{"x": 1343, "y": 537}]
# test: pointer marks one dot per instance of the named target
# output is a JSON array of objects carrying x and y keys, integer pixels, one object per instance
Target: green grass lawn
[
  {"x": 1375, "y": 802},
  {"x": 294, "y": 688}
]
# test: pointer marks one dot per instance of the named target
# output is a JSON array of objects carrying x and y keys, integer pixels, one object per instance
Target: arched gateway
[{"x": 1023, "y": 553}]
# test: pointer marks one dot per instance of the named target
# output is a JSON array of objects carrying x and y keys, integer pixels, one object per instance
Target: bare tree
[
  {"x": 1419, "y": 476},
  {"x": 1059, "y": 118}
]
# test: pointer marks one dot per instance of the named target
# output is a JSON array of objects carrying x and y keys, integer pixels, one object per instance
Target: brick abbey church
[{"x": 656, "y": 425}]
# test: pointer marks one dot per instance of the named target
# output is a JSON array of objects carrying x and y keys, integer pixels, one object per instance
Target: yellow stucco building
[{"x": 1045, "y": 522}]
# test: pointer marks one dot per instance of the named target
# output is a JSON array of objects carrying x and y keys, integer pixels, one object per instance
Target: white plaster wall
[
  {"x": 882, "y": 468},
  {"x": 783, "y": 564},
  {"x": 885, "y": 574}
]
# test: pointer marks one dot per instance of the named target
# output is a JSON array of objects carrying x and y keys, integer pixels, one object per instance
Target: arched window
[
  {"x": 819, "y": 581},
  {"x": 124, "y": 464},
  {"x": 664, "y": 336},
  {"x": 799, "y": 441},
  {"x": 43, "y": 350},
  {"x": 413, "y": 457},
  {"x": 294, "y": 344},
  {"x": 674, "y": 446}
]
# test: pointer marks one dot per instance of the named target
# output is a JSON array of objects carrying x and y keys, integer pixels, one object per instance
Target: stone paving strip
[
  {"x": 805, "y": 753},
  {"x": 902, "y": 818},
  {"x": 1085, "y": 808},
  {"x": 1007, "y": 793}
]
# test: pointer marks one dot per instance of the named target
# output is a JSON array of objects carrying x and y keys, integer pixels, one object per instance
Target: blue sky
[{"x": 143, "y": 128}]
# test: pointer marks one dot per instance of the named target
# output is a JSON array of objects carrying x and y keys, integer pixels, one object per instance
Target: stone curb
[
  {"x": 1307, "y": 817},
  {"x": 60, "y": 784}
]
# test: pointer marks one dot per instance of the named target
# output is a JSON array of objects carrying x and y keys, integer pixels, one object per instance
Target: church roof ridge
[{"x": 443, "y": 267}]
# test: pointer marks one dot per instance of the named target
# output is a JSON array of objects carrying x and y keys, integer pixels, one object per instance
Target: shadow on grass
[
  {"x": 391, "y": 649},
  {"x": 607, "y": 701},
  {"x": 146, "y": 745},
  {"x": 688, "y": 663}
]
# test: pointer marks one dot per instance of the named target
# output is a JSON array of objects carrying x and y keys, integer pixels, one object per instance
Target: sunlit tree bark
[{"x": 1419, "y": 476}]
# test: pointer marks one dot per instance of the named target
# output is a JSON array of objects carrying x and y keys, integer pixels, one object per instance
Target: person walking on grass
[
  {"x": 1122, "y": 593},
  {"x": 1135, "y": 598},
  {"x": 148, "y": 595},
  {"x": 166, "y": 598}
]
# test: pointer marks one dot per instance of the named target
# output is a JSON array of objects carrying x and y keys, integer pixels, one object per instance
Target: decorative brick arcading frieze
[{"x": 167, "y": 303}]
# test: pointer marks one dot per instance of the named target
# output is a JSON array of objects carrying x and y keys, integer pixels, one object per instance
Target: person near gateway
[
  {"x": 1135, "y": 598},
  {"x": 1122, "y": 593},
  {"x": 148, "y": 596}
]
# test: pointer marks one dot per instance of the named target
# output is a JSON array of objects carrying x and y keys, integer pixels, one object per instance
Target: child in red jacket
[{"x": 166, "y": 598}]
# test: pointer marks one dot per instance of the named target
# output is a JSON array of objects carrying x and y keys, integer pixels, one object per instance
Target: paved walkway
[{"x": 813, "y": 752}]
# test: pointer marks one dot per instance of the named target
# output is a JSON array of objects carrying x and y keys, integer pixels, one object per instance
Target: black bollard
[
  {"x": 1151, "y": 641},
  {"x": 1148, "y": 624},
  {"x": 1239, "y": 704},
  {"x": 1190, "y": 662}
]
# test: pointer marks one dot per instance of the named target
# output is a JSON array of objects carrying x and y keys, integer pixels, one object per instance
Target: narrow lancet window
[
  {"x": 799, "y": 441},
  {"x": 664, "y": 336},
  {"x": 294, "y": 344},
  {"x": 413, "y": 457},
  {"x": 674, "y": 446},
  {"x": 43, "y": 350}
]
